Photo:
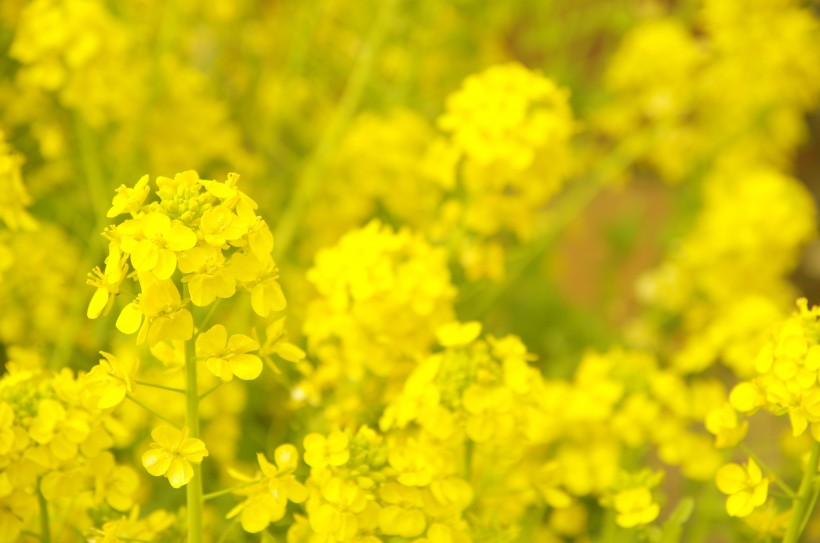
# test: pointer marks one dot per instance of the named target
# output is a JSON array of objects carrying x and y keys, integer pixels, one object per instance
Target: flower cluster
[
  {"x": 56, "y": 444},
  {"x": 205, "y": 229},
  {"x": 673, "y": 76},
  {"x": 505, "y": 152},
  {"x": 362, "y": 283},
  {"x": 539, "y": 260},
  {"x": 726, "y": 297},
  {"x": 787, "y": 367}
]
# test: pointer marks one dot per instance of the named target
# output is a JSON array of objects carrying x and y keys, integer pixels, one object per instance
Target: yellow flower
[
  {"x": 634, "y": 507},
  {"x": 109, "y": 381},
  {"x": 401, "y": 513},
  {"x": 208, "y": 278},
  {"x": 129, "y": 200},
  {"x": 61, "y": 430},
  {"x": 226, "y": 357},
  {"x": 219, "y": 225},
  {"x": 728, "y": 429},
  {"x": 116, "y": 485},
  {"x": 261, "y": 279},
  {"x": 746, "y": 487},
  {"x": 153, "y": 241},
  {"x": 506, "y": 113},
  {"x": 17, "y": 507},
  {"x": 335, "y": 515},
  {"x": 172, "y": 454},
  {"x": 164, "y": 313},
  {"x": 266, "y": 501},
  {"x": 321, "y": 452},
  {"x": 276, "y": 343},
  {"x": 456, "y": 334},
  {"x": 108, "y": 282}
]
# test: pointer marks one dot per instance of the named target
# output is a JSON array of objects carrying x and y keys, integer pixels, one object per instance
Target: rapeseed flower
[
  {"x": 746, "y": 486},
  {"x": 227, "y": 357},
  {"x": 172, "y": 453}
]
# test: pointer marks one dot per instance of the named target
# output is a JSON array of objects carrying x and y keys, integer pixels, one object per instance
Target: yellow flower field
[{"x": 440, "y": 271}]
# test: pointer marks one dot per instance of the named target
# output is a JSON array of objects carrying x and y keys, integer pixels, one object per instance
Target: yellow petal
[
  {"x": 145, "y": 256},
  {"x": 241, "y": 343},
  {"x": 166, "y": 264},
  {"x": 254, "y": 518},
  {"x": 180, "y": 472},
  {"x": 167, "y": 436},
  {"x": 739, "y": 505},
  {"x": 213, "y": 341},
  {"x": 156, "y": 461},
  {"x": 180, "y": 237},
  {"x": 457, "y": 334},
  {"x": 130, "y": 319},
  {"x": 731, "y": 478},
  {"x": 193, "y": 450},
  {"x": 97, "y": 303},
  {"x": 246, "y": 366}
]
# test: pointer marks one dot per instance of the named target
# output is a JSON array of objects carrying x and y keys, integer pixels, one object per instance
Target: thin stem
[
  {"x": 777, "y": 480},
  {"x": 194, "y": 487},
  {"x": 468, "y": 459},
  {"x": 207, "y": 319},
  {"x": 344, "y": 112},
  {"x": 207, "y": 392},
  {"x": 569, "y": 206},
  {"x": 98, "y": 194},
  {"x": 163, "y": 387},
  {"x": 153, "y": 385},
  {"x": 224, "y": 491},
  {"x": 153, "y": 412},
  {"x": 801, "y": 508},
  {"x": 224, "y": 535},
  {"x": 45, "y": 528}
]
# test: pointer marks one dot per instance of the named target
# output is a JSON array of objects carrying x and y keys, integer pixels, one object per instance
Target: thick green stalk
[
  {"x": 194, "y": 488},
  {"x": 803, "y": 500}
]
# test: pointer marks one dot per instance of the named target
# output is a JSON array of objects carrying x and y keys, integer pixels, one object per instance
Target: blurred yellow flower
[{"x": 745, "y": 485}]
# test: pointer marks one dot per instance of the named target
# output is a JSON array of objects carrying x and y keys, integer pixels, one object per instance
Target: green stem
[
  {"x": 224, "y": 491},
  {"x": 803, "y": 500},
  {"x": 568, "y": 207},
  {"x": 468, "y": 460},
  {"x": 45, "y": 528},
  {"x": 344, "y": 112},
  {"x": 207, "y": 319},
  {"x": 152, "y": 411},
  {"x": 194, "y": 488},
  {"x": 155, "y": 385},
  {"x": 99, "y": 193},
  {"x": 814, "y": 496},
  {"x": 227, "y": 531},
  {"x": 777, "y": 480},
  {"x": 208, "y": 392}
]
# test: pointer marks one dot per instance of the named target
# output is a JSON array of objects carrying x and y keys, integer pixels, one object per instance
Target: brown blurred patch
[
  {"x": 807, "y": 169},
  {"x": 607, "y": 248}
]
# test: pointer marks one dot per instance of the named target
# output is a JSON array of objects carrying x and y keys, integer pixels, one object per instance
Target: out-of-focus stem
[
  {"x": 345, "y": 110},
  {"x": 152, "y": 411},
  {"x": 98, "y": 194},
  {"x": 794, "y": 530},
  {"x": 45, "y": 528}
]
